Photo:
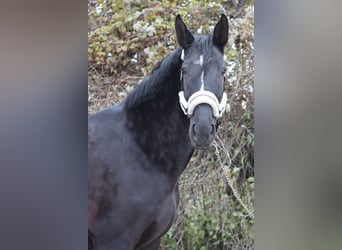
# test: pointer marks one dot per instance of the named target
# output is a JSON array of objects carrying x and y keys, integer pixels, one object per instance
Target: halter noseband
[{"x": 199, "y": 97}]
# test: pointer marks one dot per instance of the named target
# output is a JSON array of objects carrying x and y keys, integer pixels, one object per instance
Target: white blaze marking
[
  {"x": 202, "y": 80},
  {"x": 199, "y": 61}
]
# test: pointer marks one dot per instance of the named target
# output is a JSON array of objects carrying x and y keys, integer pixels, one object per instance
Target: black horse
[{"x": 139, "y": 148}]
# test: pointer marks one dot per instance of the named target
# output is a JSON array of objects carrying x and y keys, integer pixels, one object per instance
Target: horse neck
[{"x": 161, "y": 130}]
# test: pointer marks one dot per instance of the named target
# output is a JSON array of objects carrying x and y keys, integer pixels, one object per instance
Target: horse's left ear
[{"x": 220, "y": 36}]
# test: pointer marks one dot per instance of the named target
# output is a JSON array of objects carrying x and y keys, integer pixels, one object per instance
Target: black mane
[{"x": 165, "y": 72}]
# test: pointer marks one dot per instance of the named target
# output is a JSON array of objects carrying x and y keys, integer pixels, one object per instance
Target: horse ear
[
  {"x": 220, "y": 37},
  {"x": 184, "y": 36}
]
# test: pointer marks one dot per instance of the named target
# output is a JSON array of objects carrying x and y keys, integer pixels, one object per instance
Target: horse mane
[
  {"x": 167, "y": 71},
  {"x": 161, "y": 75}
]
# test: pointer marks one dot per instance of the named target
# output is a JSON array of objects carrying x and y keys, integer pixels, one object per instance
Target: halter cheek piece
[{"x": 202, "y": 96}]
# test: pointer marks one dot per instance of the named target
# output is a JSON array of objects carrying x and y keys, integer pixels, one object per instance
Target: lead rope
[{"x": 250, "y": 212}]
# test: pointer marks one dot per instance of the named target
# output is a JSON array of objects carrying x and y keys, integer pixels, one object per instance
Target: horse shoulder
[{"x": 104, "y": 128}]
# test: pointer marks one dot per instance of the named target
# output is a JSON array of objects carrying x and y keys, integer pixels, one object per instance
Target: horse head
[{"x": 202, "y": 96}]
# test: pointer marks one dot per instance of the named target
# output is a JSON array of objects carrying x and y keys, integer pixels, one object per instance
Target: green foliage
[
  {"x": 208, "y": 218},
  {"x": 126, "y": 35}
]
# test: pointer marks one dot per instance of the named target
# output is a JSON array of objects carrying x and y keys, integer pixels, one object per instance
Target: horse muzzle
[
  {"x": 204, "y": 110},
  {"x": 202, "y": 130}
]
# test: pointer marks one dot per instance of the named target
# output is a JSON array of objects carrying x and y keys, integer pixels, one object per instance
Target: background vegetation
[{"x": 126, "y": 39}]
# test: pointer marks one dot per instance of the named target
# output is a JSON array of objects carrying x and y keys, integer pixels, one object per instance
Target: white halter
[{"x": 202, "y": 96}]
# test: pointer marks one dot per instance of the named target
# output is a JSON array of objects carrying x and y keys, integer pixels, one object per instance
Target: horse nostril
[
  {"x": 212, "y": 129},
  {"x": 194, "y": 128},
  {"x": 199, "y": 130}
]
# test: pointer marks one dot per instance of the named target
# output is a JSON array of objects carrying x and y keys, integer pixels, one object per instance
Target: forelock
[{"x": 204, "y": 46}]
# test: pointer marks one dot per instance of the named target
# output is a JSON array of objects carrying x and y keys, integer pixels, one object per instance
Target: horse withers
[{"x": 138, "y": 149}]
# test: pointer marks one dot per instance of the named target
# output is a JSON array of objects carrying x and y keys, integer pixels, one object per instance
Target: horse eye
[
  {"x": 224, "y": 74},
  {"x": 183, "y": 71}
]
